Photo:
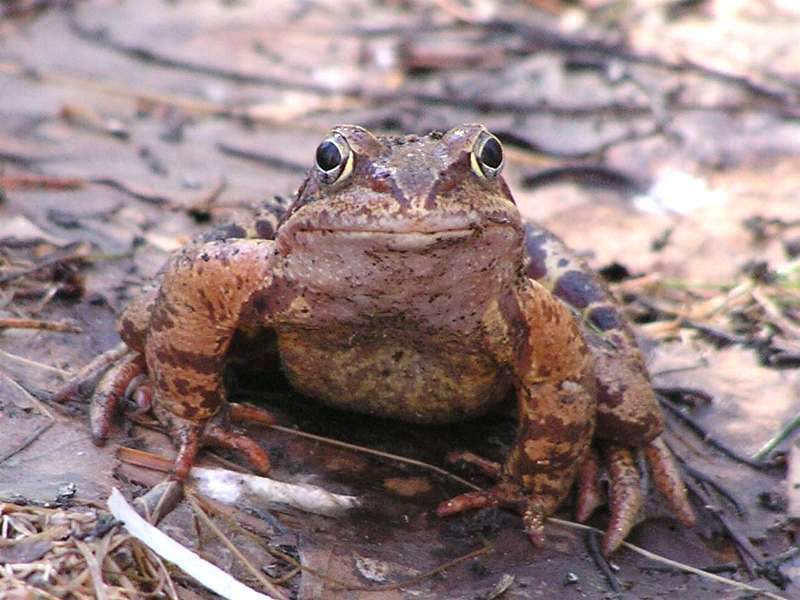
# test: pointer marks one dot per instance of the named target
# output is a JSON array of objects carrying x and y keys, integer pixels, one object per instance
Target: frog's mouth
[{"x": 404, "y": 241}]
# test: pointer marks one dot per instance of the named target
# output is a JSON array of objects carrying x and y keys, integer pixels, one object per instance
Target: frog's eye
[
  {"x": 487, "y": 156},
  {"x": 334, "y": 159}
]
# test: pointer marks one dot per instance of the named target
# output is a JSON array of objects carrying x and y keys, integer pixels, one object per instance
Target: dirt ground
[{"x": 661, "y": 140}]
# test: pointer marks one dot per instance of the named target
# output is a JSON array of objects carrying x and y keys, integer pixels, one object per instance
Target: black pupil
[
  {"x": 328, "y": 156},
  {"x": 492, "y": 154}
]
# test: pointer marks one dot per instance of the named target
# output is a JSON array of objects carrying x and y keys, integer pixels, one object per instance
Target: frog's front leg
[
  {"x": 177, "y": 332},
  {"x": 556, "y": 410},
  {"x": 206, "y": 294}
]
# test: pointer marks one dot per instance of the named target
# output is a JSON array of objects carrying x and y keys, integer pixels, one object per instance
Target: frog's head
[
  {"x": 438, "y": 197},
  {"x": 405, "y": 184}
]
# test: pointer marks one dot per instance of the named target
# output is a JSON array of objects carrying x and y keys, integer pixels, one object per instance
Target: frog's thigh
[
  {"x": 627, "y": 408},
  {"x": 206, "y": 294}
]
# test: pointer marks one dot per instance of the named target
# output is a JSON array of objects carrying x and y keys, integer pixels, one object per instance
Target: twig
[
  {"x": 100, "y": 37},
  {"x": 34, "y": 435},
  {"x": 539, "y": 37},
  {"x": 774, "y": 313},
  {"x": 149, "y": 196},
  {"x": 62, "y": 326},
  {"x": 675, "y": 564},
  {"x": 785, "y": 432},
  {"x": 742, "y": 544},
  {"x": 387, "y": 455},
  {"x": 94, "y": 570},
  {"x": 40, "y": 406},
  {"x": 710, "y": 440},
  {"x": 82, "y": 253},
  {"x": 594, "y": 175},
  {"x": 32, "y": 363},
  {"x": 39, "y": 182},
  {"x": 708, "y": 480},
  {"x": 601, "y": 561},
  {"x": 680, "y": 394},
  {"x": 264, "y": 159}
]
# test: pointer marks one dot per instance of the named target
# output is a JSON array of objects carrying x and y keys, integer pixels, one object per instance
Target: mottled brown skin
[{"x": 404, "y": 284}]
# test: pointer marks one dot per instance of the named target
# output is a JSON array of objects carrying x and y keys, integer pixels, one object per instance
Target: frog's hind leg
[{"x": 627, "y": 408}]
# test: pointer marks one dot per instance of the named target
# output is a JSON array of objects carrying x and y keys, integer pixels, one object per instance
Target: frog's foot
[
  {"x": 189, "y": 437},
  {"x": 625, "y": 495},
  {"x": 506, "y": 494}
]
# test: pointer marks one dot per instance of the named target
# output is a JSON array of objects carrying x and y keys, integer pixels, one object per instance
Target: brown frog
[{"x": 403, "y": 283}]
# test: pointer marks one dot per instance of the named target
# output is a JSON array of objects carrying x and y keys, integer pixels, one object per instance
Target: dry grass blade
[
  {"x": 40, "y": 406},
  {"x": 33, "y": 363},
  {"x": 94, "y": 569},
  {"x": 206, "y": 573},
  {"x": 72, "y": 567},
  {"x": 774, "y": 313},
  {"x": 200, "y": 513}
]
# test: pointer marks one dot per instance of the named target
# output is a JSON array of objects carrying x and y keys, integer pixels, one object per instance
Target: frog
[{"x": 402, "y": 282}]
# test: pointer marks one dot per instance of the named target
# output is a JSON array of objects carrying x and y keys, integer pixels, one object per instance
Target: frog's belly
[{"x": 399, "y": 379}]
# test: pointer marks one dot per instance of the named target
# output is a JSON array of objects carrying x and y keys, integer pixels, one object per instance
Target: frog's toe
[
  {"x": 667, "y": 479},
  {"x": 221, "y": 436},
  {"x": 187, "y": 438},
  {"x": 505, "y": 493},
  {"x": 247, "y": 413},
  {"x": 590, "y": 493},
  {"x": 113, "y": 387},
  {"x": 533, "y": 518},
  {"x": 625, "y": 499}
]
